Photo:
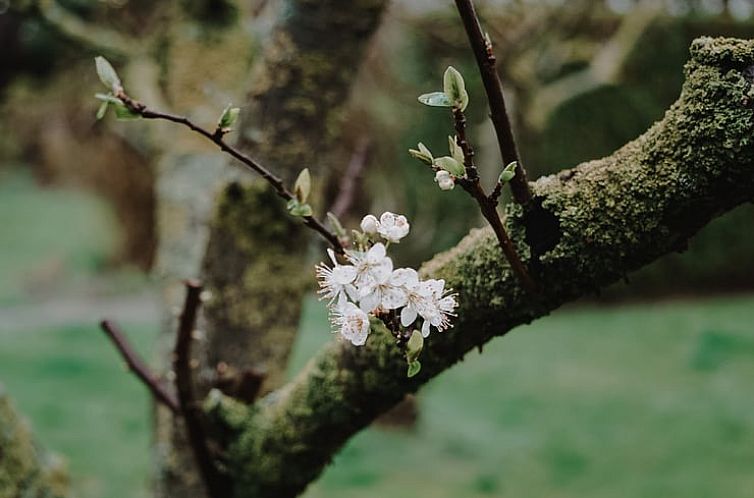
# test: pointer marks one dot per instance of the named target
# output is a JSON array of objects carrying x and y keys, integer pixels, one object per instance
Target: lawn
[{"x": 638, "y": 401}]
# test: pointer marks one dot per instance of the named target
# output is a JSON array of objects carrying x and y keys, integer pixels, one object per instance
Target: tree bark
[
  {"x": 252, "y": 255},
  {"x": 590, "y": 226},
  {"x": 25, "y": 469}
]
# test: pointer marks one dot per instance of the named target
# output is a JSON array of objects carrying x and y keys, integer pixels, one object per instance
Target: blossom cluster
[{"x": 368, "y": 285}]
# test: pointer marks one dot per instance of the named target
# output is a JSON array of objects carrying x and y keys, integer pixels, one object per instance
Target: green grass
[
  {"x": 638, "y": 401},
  {"x": 83, "y": 404},
  {"x": 49, "y": 236}
]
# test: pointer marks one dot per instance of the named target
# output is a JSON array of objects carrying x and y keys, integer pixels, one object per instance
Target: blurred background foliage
[{"x": 77, "y": 211}]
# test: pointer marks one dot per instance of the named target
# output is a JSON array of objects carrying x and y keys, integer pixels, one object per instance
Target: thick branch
[
  {"x": 594, "y": 224},
  {"x": 92, "y": 36}
]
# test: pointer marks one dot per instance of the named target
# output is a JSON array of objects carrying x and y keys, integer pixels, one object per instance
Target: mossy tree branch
[
  {"x": 587, "y": 227},
  {"x": 25, "y": 469}
]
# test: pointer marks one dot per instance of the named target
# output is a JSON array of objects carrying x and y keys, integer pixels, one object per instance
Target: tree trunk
[
  {"x": 590, "y": 226},
  {"x": 251, "y": 253}
]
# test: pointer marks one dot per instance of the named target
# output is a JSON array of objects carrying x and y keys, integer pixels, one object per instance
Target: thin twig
[
  {"x": 349, "y": 180},
  {"x": 217, "y": 137},
  {"x": 488, "y": 206},
  {"x": 138, "y": 366},
  {"x": 486, "y": 61},
  {"x": 215, "y": 482}
]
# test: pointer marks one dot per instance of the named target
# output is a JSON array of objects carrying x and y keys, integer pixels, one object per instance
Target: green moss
[
  {"x": 256, "y": 273},
  {"x": 25, "y": 470}
]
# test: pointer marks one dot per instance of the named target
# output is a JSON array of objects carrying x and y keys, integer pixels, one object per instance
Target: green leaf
[
  {"x": 435, "y": 99},
  {"x": 455, "y": 88},
  {"x": 413, "y": 368},
  {"x": 108, "y": 97},
  {"x": 455, "y": 150},
  {"x": 508, "y": 173},
  {"x": 102, "y": 110},
  {"x": 336, "y": 225},
  {"x": 303, "y": 186},
  {"x": 423, "y": 154},
  {"x": 297, "y": 208},
  {"x": 123, "y": 113},
  {"x": 450, "y": 165},
  {"x": 228, "y": 117},
  {"x": 107, "y": 74},
  {"x": 414, "y": 346}
]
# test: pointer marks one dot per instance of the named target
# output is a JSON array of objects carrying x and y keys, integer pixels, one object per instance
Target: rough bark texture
[
  {"x": 592, "y": 225},
  {"x": 252, "y": 254},
  {"x": 256, "y": 267},
  {"x": 26, "y": 470}
]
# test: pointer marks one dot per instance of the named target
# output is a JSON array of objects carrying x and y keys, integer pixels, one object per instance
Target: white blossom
[
  {"x": 371, "y": 266},
  {"x": 382, "y": 294},
  {"x": 439, "y": 307},
  {"x": 369, "y": 286},
  {"x": 444, "y": 180},
  {"x": 336, "y": 282},
  {"x": 353, "y": 323},
  {"x": 393, "y": 227},
  {"x": 370, "y": 224}
]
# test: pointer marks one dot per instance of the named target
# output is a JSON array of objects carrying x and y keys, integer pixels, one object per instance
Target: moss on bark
[
  {"x": 593, "y": 224},
  {"x": 25, "y": 469}
]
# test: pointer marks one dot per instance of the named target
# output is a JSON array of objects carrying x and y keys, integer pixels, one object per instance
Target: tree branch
[
  {"x": 594, "y": 224},
  {"x": 488, "y": 205},
  {"x": 486, "y": 61},
  {"x": 93, "y": 36},
  {"x": 349, "y": 180},
  {"x": 138, "y": 366},
  {"x": 216, "y": 483},
  {"x": 216, "y": 137}
]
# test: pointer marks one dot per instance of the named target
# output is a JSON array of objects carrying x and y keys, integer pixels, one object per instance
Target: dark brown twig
[
  {"x": 488, "y": 205},
  {"x": 138, "y": 366},
  {"x": 216, "y": 483},
  {"x": 486, "y": 61},
  {"x": 349, "y": 180},
  {"x": 217, "y": 137}
]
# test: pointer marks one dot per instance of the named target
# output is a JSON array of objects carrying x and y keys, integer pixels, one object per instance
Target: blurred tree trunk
[
  {"x": 255, "y": 265},
  {"x": 25, "y": 469}
]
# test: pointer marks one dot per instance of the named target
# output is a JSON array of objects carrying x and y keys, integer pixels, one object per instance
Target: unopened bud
[
  {"x": 369, "y": 224},
  {"x": 444, "y": 180}
]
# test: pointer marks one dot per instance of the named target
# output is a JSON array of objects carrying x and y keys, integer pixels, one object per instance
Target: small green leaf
[
  {"x": 123, "y": 113},
  {"x": 228, "y": 117},
  {"x": 455, "y": 150},
  {"x": 336, "y": 225},
  {"x": 303, "y": 186},
  {"x": 423, "y": 154},
  {"x": 435, "y": 99},
  {"x": 413, "y": 368},
  {"x": 107, "y": 74},
  {"x": 450, "y": 165},
  {"x": 508, "y": 173},
  {"x": 414, "y": 346},
  {"x": 108, "y": 97},
  {"x": 296, "y": 208},
  {"x": 102, "y": 110},
  {"x": 455, "y": 88}
]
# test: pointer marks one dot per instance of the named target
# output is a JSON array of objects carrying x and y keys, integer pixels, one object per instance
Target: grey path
[{"x": 68, "y": 310}]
